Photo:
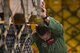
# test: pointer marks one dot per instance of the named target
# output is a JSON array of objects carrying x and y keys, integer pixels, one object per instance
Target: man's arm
[
  {"x": 34, "y": 38},
  {"x": 54, "y": 26}
]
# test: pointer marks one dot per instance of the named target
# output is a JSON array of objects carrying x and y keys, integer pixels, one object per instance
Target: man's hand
[
  {"x": 43, "y": 9},
  {"x": 44, "y": 16}
]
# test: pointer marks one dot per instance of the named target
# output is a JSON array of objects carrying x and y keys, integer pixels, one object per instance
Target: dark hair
[{"x": 41, "y": 30}]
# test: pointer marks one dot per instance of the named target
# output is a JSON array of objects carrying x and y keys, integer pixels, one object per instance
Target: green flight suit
[{"x": 57, "y": 34}]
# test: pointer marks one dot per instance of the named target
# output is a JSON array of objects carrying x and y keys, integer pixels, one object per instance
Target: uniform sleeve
[
  {"x": 34, "y": 38},
  {"x": 56, "y": 27}
]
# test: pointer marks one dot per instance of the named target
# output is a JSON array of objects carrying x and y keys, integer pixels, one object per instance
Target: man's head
[{"x": 43, "y": 32}]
